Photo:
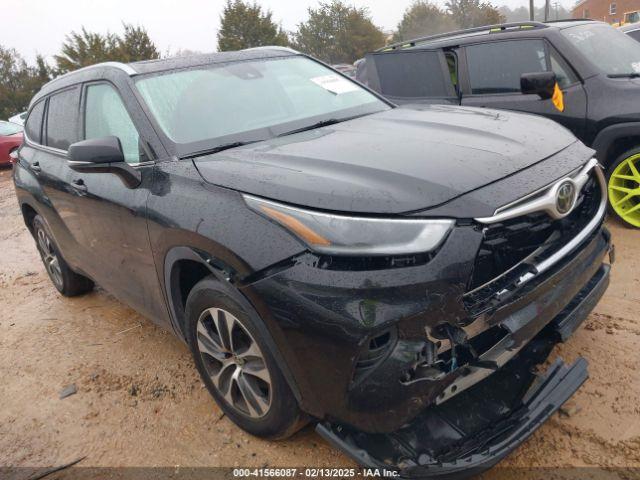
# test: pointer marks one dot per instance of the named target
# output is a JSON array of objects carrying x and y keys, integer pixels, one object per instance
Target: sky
[{"x": 40, "y": 26}]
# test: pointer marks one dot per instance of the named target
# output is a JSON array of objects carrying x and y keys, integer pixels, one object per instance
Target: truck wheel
[
  {"x": 66, "y": 281},
  {"x": 623, "y": 179},
  {"x": 235, "y": 364}
]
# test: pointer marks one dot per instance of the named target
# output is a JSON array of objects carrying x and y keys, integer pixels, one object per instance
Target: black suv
[
  {"x": 516, "y": 66},
  {"x": 393, "y": 274}
]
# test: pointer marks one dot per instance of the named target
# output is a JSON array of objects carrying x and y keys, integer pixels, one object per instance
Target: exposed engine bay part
[{"x": 471, "y": 432}]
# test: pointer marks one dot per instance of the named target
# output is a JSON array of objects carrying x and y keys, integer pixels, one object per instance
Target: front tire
[
  {"x": 623, "y": 180},
  {"x": 66, "y": 281},
  {"x": 231, "y": 354}
]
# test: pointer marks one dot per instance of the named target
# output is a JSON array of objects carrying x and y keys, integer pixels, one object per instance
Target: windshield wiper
[
  {"x": 220, "y": 148},
  {"x": 624, "y": 75},
  {"x": 321, "y": 123}
]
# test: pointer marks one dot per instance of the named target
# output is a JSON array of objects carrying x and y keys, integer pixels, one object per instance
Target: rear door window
[
  {"x": 62, "y": 119},
  {"x": 33, "y": 125},
  {"x": 496, "y": 67},
  {"x": 410, "y": 74}
]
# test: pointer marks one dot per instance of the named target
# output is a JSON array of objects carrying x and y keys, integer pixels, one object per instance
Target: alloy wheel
[
  {"x": 49, "y": 257},
  {"x": 235, "y": 362},
  {"x": 624, "y": 190}
]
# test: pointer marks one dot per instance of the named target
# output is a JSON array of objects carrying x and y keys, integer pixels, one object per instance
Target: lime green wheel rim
[{"x": 624, "y": 190}]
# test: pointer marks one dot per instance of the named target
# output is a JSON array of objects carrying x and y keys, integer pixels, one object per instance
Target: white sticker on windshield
[
  {"x": 636, "y": 67},
  {"x": 335, "y": 84}
]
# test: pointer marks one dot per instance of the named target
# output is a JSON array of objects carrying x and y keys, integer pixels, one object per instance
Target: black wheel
[
  {"x": 623, "y": 180},
  {"x": 66, "y": 281},
  {"x": 235, "y": 364}
]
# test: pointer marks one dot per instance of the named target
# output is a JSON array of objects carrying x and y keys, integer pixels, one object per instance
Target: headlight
[{"x": 355, "y": 236}]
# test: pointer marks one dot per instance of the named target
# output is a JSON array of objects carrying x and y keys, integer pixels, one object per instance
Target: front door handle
[
  {"x": 35, "y": 167},
  {"x": 79, "y": 185}
]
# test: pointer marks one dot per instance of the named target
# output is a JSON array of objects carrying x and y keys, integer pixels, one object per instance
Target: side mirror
[
  {"x": 540, "y": 83},
  {"x": 96, "y": 151},
  {"x": 103, "y": 155}
]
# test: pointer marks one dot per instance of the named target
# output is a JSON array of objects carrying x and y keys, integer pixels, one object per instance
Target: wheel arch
[
  {"x": 616, "y": 139},
  {"x": 28, "y": 214},
  {"x": 184, "y": 267}
]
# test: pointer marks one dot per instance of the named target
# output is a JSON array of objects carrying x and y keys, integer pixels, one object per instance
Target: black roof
[
  {"x": 152, "y": 66},
  {"x": 163, "y": 64}
]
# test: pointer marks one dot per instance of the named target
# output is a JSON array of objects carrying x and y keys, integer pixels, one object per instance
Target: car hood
[{"x": 396, "y": 161}]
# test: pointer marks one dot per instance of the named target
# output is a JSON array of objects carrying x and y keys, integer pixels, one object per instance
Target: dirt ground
[{"x": 139, "y": 401}]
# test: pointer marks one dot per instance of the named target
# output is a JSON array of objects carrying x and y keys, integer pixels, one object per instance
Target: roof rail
[
  {"x": 128, "y": 69},
  {"x": 571, "y": 20},
  {"x": 272, "y": 47},
  {"x": 501, "y": 27}
]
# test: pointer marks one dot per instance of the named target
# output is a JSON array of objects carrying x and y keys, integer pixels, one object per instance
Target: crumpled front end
[{"x": 424, "y": 363}]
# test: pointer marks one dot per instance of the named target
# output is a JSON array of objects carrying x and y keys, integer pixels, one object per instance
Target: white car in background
[
  {"x": 632, "y": 29},
  {"x": 19, "y": 119}
]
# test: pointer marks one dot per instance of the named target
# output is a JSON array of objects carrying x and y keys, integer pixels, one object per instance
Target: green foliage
[
  {"x": 87, "y": 48},
  {"x": 473, "y": 13},
  {"x": 19, "y": 82},
  {"x": 423, "y": 18},
  {"x": 338, "y": 33},
  {"x": 245, "y": 25},
  {"x": 135, "y": 45}
]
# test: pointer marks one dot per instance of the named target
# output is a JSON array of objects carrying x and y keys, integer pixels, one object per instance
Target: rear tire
[
  {"x": 623, "y": 185},
  {"x": 234, "y": 361},
  {"x": 66, "y": 281}
]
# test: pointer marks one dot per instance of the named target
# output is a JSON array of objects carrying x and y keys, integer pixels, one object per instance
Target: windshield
[
  {"x": 252, "y": 100},
  {"x": 608, "y": 49},
  {"x": 8, "y": 128}
]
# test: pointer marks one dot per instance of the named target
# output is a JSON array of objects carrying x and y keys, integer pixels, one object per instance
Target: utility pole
[
  {"x": 546, "y": 10},
  {"x": 531, "y": 10},
  {"x": 555, "y": 5}
]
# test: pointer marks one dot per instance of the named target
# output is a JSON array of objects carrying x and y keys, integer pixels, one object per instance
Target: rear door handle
[
  {"x": 35, "y": 167},
  {"x": 79, "y": 185}
]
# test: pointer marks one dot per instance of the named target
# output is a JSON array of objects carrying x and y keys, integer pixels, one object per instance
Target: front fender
[
  {"x": 607, "y": 136},
  {"x": 225, "y": 276}
]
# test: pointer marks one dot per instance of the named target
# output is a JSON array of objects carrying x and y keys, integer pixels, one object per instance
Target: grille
[{"x": 506, "y": 246}]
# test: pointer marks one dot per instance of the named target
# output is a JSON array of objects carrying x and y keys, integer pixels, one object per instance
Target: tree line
[{"x": 335, "y": 32}]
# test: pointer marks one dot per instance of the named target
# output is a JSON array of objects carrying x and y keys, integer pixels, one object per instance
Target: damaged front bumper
[
  {"x": 488, "y": 417},
  {"x": 472, "y": 432}
]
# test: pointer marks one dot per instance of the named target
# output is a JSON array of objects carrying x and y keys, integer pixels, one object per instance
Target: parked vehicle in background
[
  {"x": 10, "y": 140},
  {"x": 633, "y": 30},
  {"x": 346, "y": 69},
  {"x": 394, "y": 274},
  {"x": 631, "y": 17},
  {"x": 19, "y": 119},
  {"x": 517, "y": 67}
]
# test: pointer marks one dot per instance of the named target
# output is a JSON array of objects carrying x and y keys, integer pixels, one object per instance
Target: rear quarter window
[
  {"x": 62, "y": 118},
  {"x": 410, "y": 74},
  {"x": 33, "y": 125}
]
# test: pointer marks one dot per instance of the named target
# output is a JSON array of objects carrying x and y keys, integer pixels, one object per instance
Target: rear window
[
  {"x": 410, "y": 74},
  {"x": 33, "y": 126},
  {"x": 62, "y": 118}
]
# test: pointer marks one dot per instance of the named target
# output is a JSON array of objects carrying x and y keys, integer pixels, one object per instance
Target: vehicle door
[
  {"x": 413, "y": 76},
  {"x": 51, "y": 127},
  {"x": 112, "y": 211},
  {"x": 491, "y": 78}
]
